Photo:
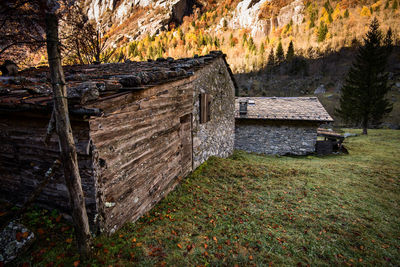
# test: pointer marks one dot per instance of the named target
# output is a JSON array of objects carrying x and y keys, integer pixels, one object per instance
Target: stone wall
[
  {"x": 215, "y": 137},
  {"x": 276, "y": 137}
]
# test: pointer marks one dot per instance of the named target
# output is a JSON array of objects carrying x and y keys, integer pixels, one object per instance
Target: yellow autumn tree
[
  {"x": 377, "y": 5},
  {"x": 365, "y": 12},
  {"x": 336, "y": 12}
]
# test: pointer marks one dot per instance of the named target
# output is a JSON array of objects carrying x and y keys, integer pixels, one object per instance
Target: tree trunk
[
  {"x": 64, "y": 131},
  {"x": 365, "y": 126}
]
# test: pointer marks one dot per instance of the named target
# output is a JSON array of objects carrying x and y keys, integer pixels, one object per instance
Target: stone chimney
[{"x": 243, "y": 107}]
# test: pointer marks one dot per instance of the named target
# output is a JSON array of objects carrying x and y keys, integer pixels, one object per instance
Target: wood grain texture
[
  {"x": 141, "y": 148},
  {"x": 24, "y": 159}
]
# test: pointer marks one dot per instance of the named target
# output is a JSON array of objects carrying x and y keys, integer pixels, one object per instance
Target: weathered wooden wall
[
  {"x": 140, "y": 148},
  {"x": 133, "y": 155},
  {"x": 24, "y": 159},
  {"x": 145, "y": 146}
]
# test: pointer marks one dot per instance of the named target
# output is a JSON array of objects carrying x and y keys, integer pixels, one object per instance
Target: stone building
[
  {"x": 139, "y": 128},
  {"x": 278, "y": 125}
]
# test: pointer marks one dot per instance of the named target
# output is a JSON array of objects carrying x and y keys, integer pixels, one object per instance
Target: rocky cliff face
[
  {"x": 247, "y": 15},
  {"x": 292, "y": 12},
  {"x": 159, "y": 13},
  {"x": 119, "y": 10}
]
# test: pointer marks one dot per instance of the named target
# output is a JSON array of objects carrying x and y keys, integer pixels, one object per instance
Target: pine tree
[
  {"x": 290, "y": 52},
  {"x": 262, "y": 50},
  {"x": 346, "y": 13},
  {"x": 322, "y": 31},
  {"x": 363, "y": 94},
  {"x": 280, "y": 54},
  {"x": 244, "y": 39},
  {"x": 395, "y": 4},
  {"x": 388, "y": 42},
  {"x": 250, "y": 44},
  {"x": 271, "y": 58},
  {"x": 231, "y": 42},
  {"x": 387, "y": 4},
  {"x": 330, "y": 19}
]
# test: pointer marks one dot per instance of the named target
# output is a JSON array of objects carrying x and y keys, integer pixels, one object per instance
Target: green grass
[{"x": 259, "y": 210}]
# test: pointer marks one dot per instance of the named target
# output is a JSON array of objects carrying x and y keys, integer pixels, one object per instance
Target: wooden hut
[{"x": 139, "y": 127}]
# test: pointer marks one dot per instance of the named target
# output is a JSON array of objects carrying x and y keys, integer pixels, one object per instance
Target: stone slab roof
[
  {"x": 283, "y": 108},
  {"x": 31, "y": 88}
]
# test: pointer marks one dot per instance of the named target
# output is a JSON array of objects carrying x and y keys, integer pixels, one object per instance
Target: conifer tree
[
  {"x": 388, "y": 42},
  {"x": 363, "y": 94},
  {"x": 322, "y": 31},
  {"x": 231, "y": 42},
  {"x": 395, "y": 4},
  {"x": 280, "y": 54},
  {"x": 346, "y": 13},
  {"x": 262, "y": 49},
  {"x": 290, "y": 52},
  {"x": 271, "y": 58},
  {"x": 244, "y": 39}
]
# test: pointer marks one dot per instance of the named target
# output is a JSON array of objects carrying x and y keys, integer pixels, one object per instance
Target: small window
[{"x": 205, "y": 111}]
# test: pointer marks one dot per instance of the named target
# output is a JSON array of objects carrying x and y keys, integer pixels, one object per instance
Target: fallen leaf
[
  {"x": 68, "y": 240},
  {"x": 25, "y": 234},
  {"x": 3, "y": 213},
  {"x": 40, "y": 231},
  {"x": 76, "y": 263},
  {"x": 205, "y": 245},
  {"x": 133, "y": 240},
  {"x": 179, "y": 245},
  {"x": 58, "y": 219},
  {"x": 215, "y": 239},
  {"x": 18, "y": 236},
  {"x": 250, "y": 257}
]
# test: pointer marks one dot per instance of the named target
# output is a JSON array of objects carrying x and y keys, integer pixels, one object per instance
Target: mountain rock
[
  {"x": 162, "y": 12},
  {"x": 247, "y": 15},
  {"x": 292, "y": 12}
]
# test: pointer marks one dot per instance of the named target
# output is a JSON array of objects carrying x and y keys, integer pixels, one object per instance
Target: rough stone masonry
[{"x": 275, "y": 138}]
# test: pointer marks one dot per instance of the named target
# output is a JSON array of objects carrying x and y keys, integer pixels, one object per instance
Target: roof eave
[{"x": 281, "y": 119}]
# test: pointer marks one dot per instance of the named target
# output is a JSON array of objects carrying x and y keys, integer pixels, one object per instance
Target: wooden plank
[{"x": 141, "y": 148}]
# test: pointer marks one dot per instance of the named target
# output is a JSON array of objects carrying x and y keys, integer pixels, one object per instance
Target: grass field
[{"x": 257, "y": 210}]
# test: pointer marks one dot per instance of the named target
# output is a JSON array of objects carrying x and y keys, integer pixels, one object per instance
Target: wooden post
[{"x": 64, "y": 131}]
